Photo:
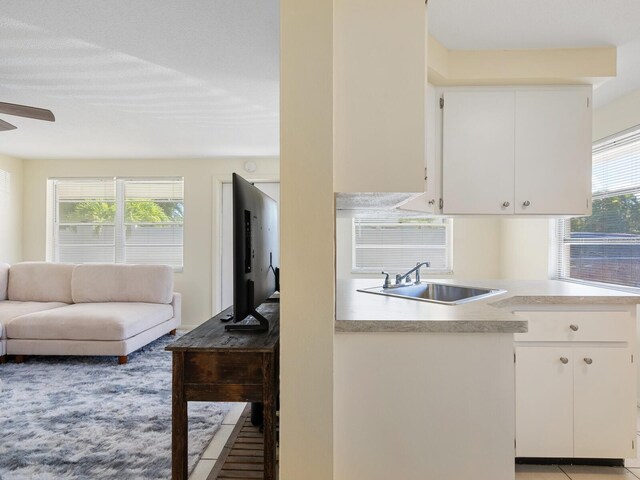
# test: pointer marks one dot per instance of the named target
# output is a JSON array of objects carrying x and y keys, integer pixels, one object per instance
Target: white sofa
[{"x": 66, "y": 309}]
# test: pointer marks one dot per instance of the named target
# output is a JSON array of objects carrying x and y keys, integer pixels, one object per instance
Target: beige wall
[
  {"x": 196, "y": 282},
  {"x": 307, "y": 239},
  {"x": 11, "y": 211}
]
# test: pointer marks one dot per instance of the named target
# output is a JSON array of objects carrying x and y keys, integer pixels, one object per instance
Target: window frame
[
  {"x": 560, "y": 245},
  {"x": 448, "y": 270},
  {"x": 119, "y": 223}
]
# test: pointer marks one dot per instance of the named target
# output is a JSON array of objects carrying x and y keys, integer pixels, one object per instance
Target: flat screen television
[{"x": 256, "y": 253}]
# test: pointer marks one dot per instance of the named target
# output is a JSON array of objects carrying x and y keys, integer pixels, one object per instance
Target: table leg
[
  {"x": 179, "y": 422},
  {"x": 269, "y": 415}
]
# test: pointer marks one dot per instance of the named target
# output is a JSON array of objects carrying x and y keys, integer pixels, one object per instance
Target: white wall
[
  {"x": 11, "y": 211},
  {"x": 524, "y": 248},
  {"x": 197, "y": 283},
  {"x": 619, "y": 115}
]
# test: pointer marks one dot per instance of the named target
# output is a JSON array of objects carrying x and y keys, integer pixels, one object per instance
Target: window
[
  {"x": 605, "y": 247},
  {"x": 397, "y": 244},
  {"x": 121, "y": 220}
]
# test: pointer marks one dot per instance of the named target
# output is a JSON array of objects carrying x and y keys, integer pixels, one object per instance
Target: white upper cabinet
[
  {"x": 516, "y": 150},
  {"x": 478, "y": 145},
  {"x": 379, "y": 67},
  {"x": 429, "y": 201},
  {"x": 553, "y": 152}
]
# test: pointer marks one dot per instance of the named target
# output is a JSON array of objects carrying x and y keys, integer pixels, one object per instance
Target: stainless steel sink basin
[{"x": 436, "y": 292}]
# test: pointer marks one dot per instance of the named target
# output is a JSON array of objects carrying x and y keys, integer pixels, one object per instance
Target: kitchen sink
[{"x": 443, "y": 293}]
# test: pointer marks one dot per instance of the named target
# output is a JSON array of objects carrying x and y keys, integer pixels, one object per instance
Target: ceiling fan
[{"x": 23, "y": 111}]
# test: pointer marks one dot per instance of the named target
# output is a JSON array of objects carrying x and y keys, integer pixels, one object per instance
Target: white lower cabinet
[
  {"x": 575, "y": 399},
  {"x": 544, "y": 407},
  {"x": 604, "y": 406}
]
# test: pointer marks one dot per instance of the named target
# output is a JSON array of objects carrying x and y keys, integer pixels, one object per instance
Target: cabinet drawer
[{"x": 577, "y": 326}]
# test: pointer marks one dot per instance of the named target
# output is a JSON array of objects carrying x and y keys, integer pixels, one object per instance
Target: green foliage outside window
[
  {"x": 615, "y": 214},
  {"x": 98, "y": 212}
]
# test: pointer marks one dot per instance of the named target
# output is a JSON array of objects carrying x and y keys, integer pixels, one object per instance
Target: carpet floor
[{"x": 89, "y": 418}]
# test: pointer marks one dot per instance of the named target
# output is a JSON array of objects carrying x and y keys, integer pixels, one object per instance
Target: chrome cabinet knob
[
  {"x": 588, "y": 361},
  {"x": 574, "y": 327},
  {"x": 506, "y": 204},
  {"x": 526, "y": 203},
  {"x": 564, "y": 360}
]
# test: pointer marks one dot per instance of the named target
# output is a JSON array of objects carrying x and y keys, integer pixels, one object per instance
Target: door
[
  {"x": 478, "y": 152},
  {"x": 604, "y": 410},
  {"x": 226, "y": 271},
  {"x": 544, "y": 402},
  {"x": 553, "y": 152}
]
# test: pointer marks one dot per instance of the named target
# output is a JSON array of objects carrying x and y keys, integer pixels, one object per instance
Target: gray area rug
[{"x": 89, "y": 418}]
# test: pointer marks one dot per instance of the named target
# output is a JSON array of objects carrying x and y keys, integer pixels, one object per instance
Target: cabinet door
[
  {"x": 553, "y": 152},
  {"x": 544, "y": 402},
  {"x": 478, "y": 152},
  {"x": 604, "y": 403}
]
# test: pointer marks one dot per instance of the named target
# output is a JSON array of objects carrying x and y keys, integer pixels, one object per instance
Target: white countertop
[{"x": 365, "y": 312}]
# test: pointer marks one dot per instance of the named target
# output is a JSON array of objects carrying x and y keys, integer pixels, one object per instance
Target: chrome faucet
[
  {"x": 404, "y": 277},
  {"x": 407, "y": 276}
]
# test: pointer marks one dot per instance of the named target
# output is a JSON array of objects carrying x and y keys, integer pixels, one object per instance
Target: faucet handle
[{"x": 387, "y": 282}]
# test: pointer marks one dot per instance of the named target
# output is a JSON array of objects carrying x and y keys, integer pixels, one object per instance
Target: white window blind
[
  {"x": 397, "y": 244},
  {"x": 605, "y": 247},
  {"x": 117, "y": 220}
]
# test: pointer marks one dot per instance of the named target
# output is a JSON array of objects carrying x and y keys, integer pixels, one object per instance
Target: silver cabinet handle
[
  {"x": 588, "y": 361},
  {"x": 526, "y": 203},
  {"x": 505, "y": 204},
  {"x": 574, "y": 327},
  {"x": 564, "y": 360}
]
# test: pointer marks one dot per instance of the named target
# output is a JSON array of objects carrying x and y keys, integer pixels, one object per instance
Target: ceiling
[
  {"x": 141, "y": 79},
  {"x": 199, "y": 78}
]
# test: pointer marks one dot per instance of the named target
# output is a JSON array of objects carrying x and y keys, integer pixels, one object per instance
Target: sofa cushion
[
  {"x": 40, "y": 282},
  {"x": 122, "y": 283},
  {"x": 90, "y": 321},
  {"x": 4, "y": 280},
  {"x": 10, "y": 310}
]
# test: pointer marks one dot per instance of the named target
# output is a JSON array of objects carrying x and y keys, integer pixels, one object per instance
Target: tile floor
[
  {"x": 210, "y": 455},
  {"x": 631, "y": 471}
]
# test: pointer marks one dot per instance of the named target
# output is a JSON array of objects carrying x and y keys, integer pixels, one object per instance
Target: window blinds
[
  {"x": 118, "y": 221},
  {"x": 605, "y": 248},
  {"x": 395, "y": 244}
]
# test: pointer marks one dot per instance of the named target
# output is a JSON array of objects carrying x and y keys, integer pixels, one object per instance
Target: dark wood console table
[{"x": 213, "y": 365}]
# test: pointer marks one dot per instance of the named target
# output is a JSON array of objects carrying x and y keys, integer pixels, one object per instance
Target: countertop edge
[
  {"x": 426, "y": 326},
  {"x": 564, "y": 300}
]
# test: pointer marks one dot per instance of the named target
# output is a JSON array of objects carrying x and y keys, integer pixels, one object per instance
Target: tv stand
[
  {"x": 209, "y": 365},
  {"x": 263, "y": 323}
]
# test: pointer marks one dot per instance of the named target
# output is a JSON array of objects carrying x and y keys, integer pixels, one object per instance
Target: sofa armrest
[{"x": 176, "y": 303}]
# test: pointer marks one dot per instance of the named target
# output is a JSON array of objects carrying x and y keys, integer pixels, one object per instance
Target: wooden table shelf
[{"x": 213, "y": 365}]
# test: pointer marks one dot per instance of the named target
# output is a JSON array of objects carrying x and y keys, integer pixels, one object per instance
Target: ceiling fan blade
[
  {"x": 4, "y": 126},
  {"x": 28, "y": 112}
]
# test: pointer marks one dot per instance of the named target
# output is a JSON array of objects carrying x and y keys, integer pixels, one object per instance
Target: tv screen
[{"x": 256, "y": 254}]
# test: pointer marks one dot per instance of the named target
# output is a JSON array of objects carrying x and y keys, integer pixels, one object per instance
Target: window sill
[{"x": 608, "y": 286}]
